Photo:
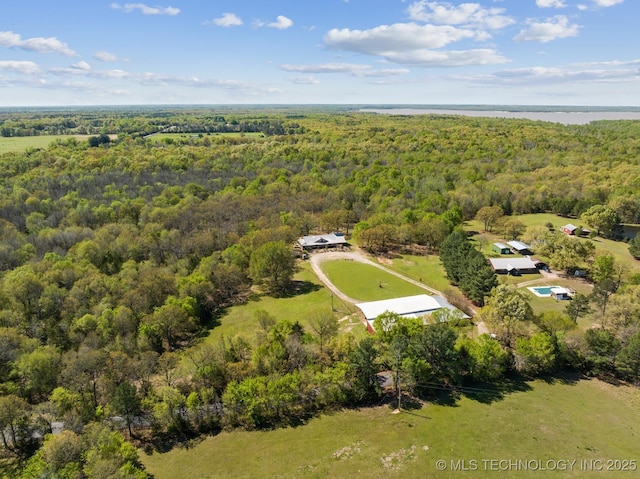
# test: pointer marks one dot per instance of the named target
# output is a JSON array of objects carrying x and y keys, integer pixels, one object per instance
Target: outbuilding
[
  {"x": 559, "y": 292},
  {"x": 501, "y": 248},
  {"x": 408, "y": 307},
  {"x": 520, "y": 247}
]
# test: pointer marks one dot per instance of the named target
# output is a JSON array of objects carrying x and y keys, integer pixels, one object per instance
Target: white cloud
[
  {"x": 552, "y": 29},
  {"x": 281, "y": 23},
  {"x": 305, "y": 80},
  {"x": 145, "y": 9},
  {"x": 468, "y": 14},
  {"x": 607, "y": 3},
  {"x": 108, "y": 57},
  {"x": 551, "y": 3},
  {"x": 82, "y": 65},
  {"x": 36, "y": 44},
  {"x": 386, "y": 39},
  {"x": 24, "y": 67},
  {"x": 228, "y": 20},
  {"x": 84, "y": 69},
  {"x": 355, "y": 69},
  {"x": 608, "y": 72},
  {"x": 409, "y": 43}
]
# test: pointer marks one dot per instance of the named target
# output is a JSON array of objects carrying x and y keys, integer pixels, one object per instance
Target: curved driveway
[{"x": 317, "y": 258}]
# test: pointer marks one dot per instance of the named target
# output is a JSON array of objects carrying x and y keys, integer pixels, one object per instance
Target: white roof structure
[
  {"x": 501, "y": 245},
  {"x": 408, "y": 306},
  {"x": 519, "y": 245},
  {"x": 512, "y": 263},
  {"x": 320, "y": 241}
]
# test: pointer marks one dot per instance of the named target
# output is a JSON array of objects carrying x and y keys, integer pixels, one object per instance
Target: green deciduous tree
[
  {"x": 602, "y": 217},
  {"x": 507, "y": 312},
  {"x": 487, "y": 359},
  {"x": 489, "y": 215},
  {"x": 536, "y": 354},
  {"x": 273, "y": 265}
]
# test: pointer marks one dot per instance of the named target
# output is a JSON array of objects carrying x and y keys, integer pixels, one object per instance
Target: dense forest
[{"x": 119, "y": 251}]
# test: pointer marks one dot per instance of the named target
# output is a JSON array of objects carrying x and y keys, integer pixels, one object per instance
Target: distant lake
[{"x": 564, "y": 117}]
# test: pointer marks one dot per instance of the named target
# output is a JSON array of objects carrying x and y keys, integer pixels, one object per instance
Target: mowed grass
[
  {"x": 427, "y": 269},
  {"x": 299, "y": 307},
  {"x": 540, "y": 305},
  {"x": 364, "y": 282},
  {"x": 587, "y": 420}
]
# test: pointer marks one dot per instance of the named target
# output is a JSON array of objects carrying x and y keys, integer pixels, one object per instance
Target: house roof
[
  {"x": 322, "y": 240},
  {"x": 512, "y": 263},
  {"x": 560, "y": 290},
  {"x": 569, "y": 227},
  {"x": 519, "y": 245},
  {"x": 501, "y": 245}
]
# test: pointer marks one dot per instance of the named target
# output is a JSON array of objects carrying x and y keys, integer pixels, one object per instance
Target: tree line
[{"x": 118, "y": 256}]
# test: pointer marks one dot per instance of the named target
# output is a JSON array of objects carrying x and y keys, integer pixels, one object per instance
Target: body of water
[{"x": 564, "y": 117}]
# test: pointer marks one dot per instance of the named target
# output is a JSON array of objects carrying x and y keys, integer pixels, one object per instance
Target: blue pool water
[{"x": 543, "y": 290}]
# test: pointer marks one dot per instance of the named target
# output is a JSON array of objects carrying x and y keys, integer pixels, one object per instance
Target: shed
[
  {"x": 559, "y": 292},
  {"x": 569, "y": 229},
  {"x": 501, "y": 248},
  {"x": 520, "y": 247}
]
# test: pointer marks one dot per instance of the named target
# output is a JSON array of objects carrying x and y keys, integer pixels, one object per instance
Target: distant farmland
[{"x": 22, "y": 143}]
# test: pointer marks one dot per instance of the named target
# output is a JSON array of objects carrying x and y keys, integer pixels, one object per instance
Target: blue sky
[{"x": 536, "y": 52}]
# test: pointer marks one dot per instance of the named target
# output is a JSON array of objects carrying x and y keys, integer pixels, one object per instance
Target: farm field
[
  {"x": 22, "y": 143},
  {"x": 581, "y": 420}
]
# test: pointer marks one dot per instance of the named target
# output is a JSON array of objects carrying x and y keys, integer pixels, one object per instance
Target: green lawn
[
  {"x": 367, "y": 283},
  {"x": 540, "y": 305},
  {"x": 587, "y": 420},
  {"x": 427, "y": 269}
]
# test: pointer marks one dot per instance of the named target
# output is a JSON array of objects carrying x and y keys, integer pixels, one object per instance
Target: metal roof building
[{"x": 408, "y": 307}]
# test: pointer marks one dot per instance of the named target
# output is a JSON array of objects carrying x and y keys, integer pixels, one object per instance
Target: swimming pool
[{"x": 542, "y": 290}]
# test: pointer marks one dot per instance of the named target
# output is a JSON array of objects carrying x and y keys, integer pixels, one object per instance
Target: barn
[{"x": 408, "y": 307}]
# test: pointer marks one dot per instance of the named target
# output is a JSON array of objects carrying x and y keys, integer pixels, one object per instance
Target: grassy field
[
  {"x": 313, "y": 297},
  {"x": 367, "y": 283},
  {"x": 585, "y": 420},
  {"x": 22, "y": 143},
  {"x": 427, "y": 269}
]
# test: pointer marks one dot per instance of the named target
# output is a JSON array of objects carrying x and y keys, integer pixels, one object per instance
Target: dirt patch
[{"x": 383, "y": 260}]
